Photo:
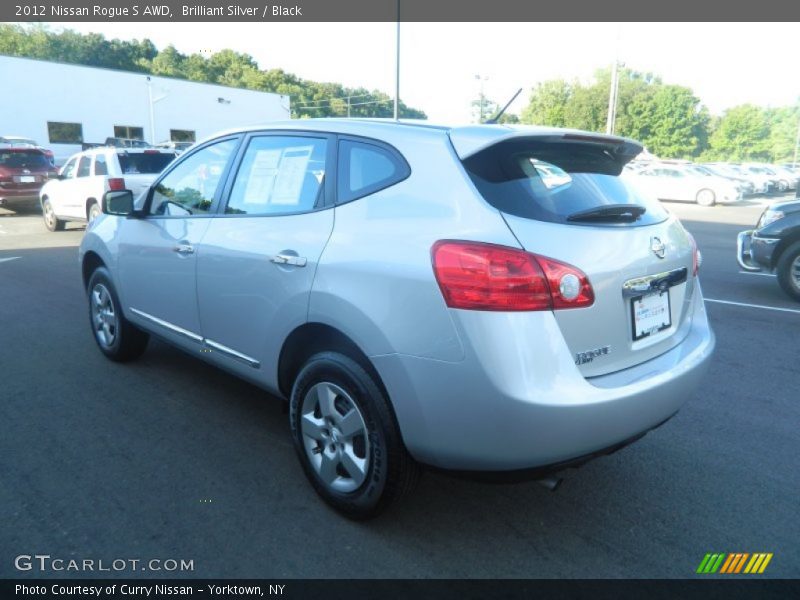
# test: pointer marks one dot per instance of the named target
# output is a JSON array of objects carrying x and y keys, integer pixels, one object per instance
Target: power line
[
  {"x": 339, "y": 98},
  {"x": 351, "y": 104}
]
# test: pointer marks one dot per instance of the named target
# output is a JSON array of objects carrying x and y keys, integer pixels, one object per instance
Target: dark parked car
[
  {"x": 23, "y": 172},
  {"x": 774, "y": 245}
]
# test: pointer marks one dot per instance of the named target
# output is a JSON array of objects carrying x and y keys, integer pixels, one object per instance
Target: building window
[
  {"x": 128, "y": 132},
  {"x": 65, "y": 133},
  {"x": 181, "y": 135}
]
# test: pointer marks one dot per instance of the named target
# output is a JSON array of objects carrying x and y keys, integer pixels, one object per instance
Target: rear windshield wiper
[{"x": 624, "y": 213}]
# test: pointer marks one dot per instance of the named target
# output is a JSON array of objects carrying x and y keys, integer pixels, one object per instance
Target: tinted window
[
  {"x": 65, "y": 133},
  {"x": 130, "y": 132},
  {"x": 366, "y": 168},
  {"x": 144, "y": 162},
  {"x": 24, "y": 159},
  {"x": 279, "y": 175},
  {"x": 191, "y": 186},
  {"x": 100, "y": 166},
  {"x": 551, "y": 181},
  {"x": 83, "y": 166}
]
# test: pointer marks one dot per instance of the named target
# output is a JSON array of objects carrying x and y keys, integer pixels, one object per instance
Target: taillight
[
  {"x": 115, "y": 184},
  {"x": 697, "y": 258},
  {"x": 477, "y": 276}
]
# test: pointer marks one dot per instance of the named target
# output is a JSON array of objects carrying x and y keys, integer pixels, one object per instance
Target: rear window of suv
[
  {"x": 553, "y": 181},
  {"x": 24, "y": 159},
  {"x": 144, "y": 162}
]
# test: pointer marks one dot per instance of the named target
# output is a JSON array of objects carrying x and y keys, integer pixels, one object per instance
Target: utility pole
[
  {"x": 612, "y": 98},
  {"x": 796, "y": 144},
  {"x": 397, "y": 69},
  {"x": 614, "y": 91}
]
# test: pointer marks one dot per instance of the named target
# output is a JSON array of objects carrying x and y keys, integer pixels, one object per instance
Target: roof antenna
[{"x": 493, "y": 120}]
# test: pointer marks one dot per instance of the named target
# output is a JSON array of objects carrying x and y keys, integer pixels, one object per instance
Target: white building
[{"x": 62, "y": 106}]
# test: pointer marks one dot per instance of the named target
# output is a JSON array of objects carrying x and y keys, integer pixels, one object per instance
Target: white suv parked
[{"x": 77, "y": 194}]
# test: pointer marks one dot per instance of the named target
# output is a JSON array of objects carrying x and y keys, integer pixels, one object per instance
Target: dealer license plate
[{"x": 651, "y": 314}]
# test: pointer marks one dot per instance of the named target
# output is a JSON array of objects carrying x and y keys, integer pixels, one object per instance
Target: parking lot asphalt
[{"x": 170, "y": 458}]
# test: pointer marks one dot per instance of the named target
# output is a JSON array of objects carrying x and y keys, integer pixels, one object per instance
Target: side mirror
[{"x": 119, "y": 203}]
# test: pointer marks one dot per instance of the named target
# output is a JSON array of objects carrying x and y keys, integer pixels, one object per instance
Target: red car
[{"x": 23, "y": 172}]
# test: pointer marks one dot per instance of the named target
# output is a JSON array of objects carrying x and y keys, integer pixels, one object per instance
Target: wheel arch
[
  {"x": 89, "y": 202},
  {"x": 91, "y": 261},
  {"x": 309, "y": 339},
  {"x": 785, "y": 243}
]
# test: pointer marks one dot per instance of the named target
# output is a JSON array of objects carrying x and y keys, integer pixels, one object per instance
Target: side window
[
  {"x": 100, "y": 166},
  {"x": 83, "y": 166},
  {"x": 279, "y": 175},
  {"x": 366, "y": 168},
  {"x": 190, "y": 187},
  {"x": 68, "y": 170}
]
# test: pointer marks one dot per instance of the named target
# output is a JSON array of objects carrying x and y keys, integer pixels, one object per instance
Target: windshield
[
  {"x": 553, "y": 181},
  {"x": 144, "y": 162}
]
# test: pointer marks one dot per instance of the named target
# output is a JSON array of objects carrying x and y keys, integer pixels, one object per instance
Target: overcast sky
[{"x": 724, "y": 63}]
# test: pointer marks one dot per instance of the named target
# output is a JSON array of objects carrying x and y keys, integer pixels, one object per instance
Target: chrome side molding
[{"x": 248, "y": 360}]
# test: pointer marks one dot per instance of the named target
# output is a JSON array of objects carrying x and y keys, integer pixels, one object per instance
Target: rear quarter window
[
  {"x": 365, "y": 168},
  {"x": 550, "y": 181}
]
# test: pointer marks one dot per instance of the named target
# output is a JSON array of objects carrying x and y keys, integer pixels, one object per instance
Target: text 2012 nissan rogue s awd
[{"x": 487, "y": 299}]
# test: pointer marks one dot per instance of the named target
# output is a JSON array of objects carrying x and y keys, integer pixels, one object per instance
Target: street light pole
[
  {"x": 152, "y": 112},
  {"x": 481, "y": 98},
  {"x": 796, "y": 144},
  {"x": 151, "y": 102}
]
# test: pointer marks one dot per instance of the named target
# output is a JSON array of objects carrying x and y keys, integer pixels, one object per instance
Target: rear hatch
[
  {"x": 23, "y": 170},
  {"x": 141, "y": 167},
  {"x": 562, "y": 197}
]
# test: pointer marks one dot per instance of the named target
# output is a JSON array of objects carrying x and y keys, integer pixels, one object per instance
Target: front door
[{"x": 158, "y": 252}]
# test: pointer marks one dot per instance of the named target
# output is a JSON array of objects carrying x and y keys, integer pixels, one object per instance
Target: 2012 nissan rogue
[{"x": 486, "y": 299}]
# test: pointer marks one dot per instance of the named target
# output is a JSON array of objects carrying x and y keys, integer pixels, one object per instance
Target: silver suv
[{"x": 484, "y": 299}]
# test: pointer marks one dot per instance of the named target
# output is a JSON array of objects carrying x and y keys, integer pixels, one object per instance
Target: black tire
[
  {"x": 93, "y": 212},
  {"x": 51, "y": 221},
  {"x": 390, "y": 472},
  {"x": 789, "y": 271},
  {"x": 122, "y": 341}
]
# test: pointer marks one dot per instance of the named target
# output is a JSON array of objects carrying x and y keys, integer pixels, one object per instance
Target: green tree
[
  {"x": 547, "y": 104},
  {"x": 225, "y": 67},
  {"x": 742, "y": 133}
]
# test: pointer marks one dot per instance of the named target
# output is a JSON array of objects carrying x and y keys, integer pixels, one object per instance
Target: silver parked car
[
  {"x": 484, "y": 299},
  {"x": 684, "y": 183}
]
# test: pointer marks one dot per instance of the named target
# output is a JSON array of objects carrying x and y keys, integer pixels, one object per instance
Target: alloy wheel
[
  {"x": 335, "y": 437},
  {"x": 104, "y": 316}
]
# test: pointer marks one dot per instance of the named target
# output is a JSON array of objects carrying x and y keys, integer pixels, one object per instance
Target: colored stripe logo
[{"x": 734, "y": 562}]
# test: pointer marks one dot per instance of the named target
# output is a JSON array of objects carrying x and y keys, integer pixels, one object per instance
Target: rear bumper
[
  {"x": 510, "y": 409},
  {"x": 10, "y": 198}
]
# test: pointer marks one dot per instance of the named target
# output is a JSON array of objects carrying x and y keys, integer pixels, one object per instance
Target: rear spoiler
[{"x": 469, "y": 141}]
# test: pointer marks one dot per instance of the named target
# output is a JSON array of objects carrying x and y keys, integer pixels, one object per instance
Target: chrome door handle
[
  {"x": 184, "y": 249},
  {"x": 288, "y": 259}
]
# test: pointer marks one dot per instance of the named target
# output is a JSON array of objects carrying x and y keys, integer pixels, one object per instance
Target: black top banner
[{"x": 389, "y": 10}]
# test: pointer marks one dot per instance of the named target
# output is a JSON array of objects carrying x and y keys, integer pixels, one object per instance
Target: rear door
[
  {"x": 639, "y": 265},
  {"x": 258, "y": 259}
]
